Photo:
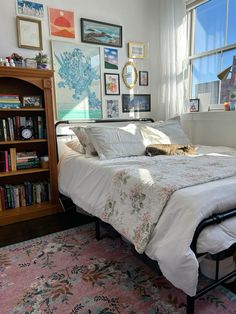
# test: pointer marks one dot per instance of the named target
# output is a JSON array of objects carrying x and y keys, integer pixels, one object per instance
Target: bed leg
[
  {"x": 190, "y": 305},
  {"x": 97, "y": 229}
]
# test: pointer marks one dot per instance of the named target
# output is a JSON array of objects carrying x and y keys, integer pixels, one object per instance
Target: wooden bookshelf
[{"x": 30, "y": 82}]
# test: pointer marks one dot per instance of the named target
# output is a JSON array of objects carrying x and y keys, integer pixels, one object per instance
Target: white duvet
[{"x": 87, "y": 182}]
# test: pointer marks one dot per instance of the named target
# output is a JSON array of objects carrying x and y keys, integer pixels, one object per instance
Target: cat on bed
[{"x": 170, "y": 149}]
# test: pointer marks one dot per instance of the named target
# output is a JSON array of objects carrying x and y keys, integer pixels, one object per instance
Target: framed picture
[
  {"x": 136, "y": 102},
  {"x": 136, "y": 50},
  {"x": 111, "y": 58},
  {"x": 143, "y": 78},
  {"x": 95, "y": 32},
  {"x": 112, "y": 83},
  {"x": 32, "y": 101},
  {"x": 194, "y": 105},
  {"x": 112, "y": 107},
  {"x": 33, "y": 9},
  {"x": 61, "y": 23},
  {"x": 29, "y": 32}
]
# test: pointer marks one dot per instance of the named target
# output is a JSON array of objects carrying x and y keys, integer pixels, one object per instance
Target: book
[
  {"x": 2, "y": 161},
  {"x": 13, "y": 158},
  {"x": 9, "y": 96},
  {"x": 1, "y": 130},
  {"x": 6, "y": 161},
  {"x": 4, "y": 129}
]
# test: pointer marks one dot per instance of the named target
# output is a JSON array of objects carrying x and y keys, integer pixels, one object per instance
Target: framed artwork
[
  {"x": 77, "y": 80},
  {"x": 61, "y": 23},
  {"x": 143, "y": 78},
  {"x": 136, "y": 50},
  {"x": 29, "y": 33},
  {"x": 34, "y": 9},
  {"x": 111, "y": 58},
  {"x": 194, "y": 105},
  {"x": 112, "y": 107},
  {"x": 136, "y": 102},
  {"x": 95, "y": 32},
  {"x": 32, "y": 101},
  {"x": 112, "y": 84}
]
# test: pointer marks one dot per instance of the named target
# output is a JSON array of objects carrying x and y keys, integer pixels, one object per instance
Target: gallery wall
[{"x": 137, "y": 18}]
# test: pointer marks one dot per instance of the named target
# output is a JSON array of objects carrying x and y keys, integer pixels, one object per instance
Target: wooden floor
[{"x": 27, "y": 230}]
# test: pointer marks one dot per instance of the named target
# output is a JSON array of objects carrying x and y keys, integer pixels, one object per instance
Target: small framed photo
[
  {"x": 194, "y": 104},
  {"x": 112, "y": 108},
  {"x": 136, "y": 102},
  {"x": 29, "y": 32},
  {"x": 112, "y": 84},
  {"x": 143, "y": 78},
  {"x": 32, "y": 101},
  {"x": 136, "y": 50}
]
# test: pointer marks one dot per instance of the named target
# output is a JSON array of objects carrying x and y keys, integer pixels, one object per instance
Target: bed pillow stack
[{"x": 88, "y": 147}]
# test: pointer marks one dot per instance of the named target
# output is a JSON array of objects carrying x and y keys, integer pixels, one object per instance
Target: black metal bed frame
[{"x": 214, "y": 219}]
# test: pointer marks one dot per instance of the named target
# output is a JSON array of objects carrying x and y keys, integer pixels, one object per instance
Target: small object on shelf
[
  {"x": 30, "y": 63},
  {"x": 42, "y": 60},
  {"x": 12, "y": 63},
  {"x": 6, "y": 63},
  {"x": 232, "y": 106},
  {"x": 18, "y": 60},
  {"x": 226, "y": 106},
  {"x": 44, "y": 161},
  {"x": 26, "y": 132}
]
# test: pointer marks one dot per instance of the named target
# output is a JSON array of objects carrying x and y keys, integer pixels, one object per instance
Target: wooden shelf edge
[
  {"x": 23, "y": 141},
  {"x": 23, "y": 171}
]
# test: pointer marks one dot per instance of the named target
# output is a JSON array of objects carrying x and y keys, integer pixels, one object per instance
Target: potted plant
[
  {"x": 18, "y": 60},
  {"x": 42, "y": 60}
]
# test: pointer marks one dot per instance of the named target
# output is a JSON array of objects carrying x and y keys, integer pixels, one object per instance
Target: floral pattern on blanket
[{"x": 139, "y": 193}]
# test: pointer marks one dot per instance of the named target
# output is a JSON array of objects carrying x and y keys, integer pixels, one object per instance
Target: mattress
[{"x": 87, "y": 182}]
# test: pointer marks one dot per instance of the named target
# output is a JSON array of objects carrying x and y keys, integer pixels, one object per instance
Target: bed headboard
[{"x": 65, "y": 134}]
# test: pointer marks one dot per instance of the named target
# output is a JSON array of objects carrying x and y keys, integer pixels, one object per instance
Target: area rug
[{"x": 71, "y": 272}]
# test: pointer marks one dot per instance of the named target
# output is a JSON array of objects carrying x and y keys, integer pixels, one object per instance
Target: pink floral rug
[{"x": 71, "y": 272}]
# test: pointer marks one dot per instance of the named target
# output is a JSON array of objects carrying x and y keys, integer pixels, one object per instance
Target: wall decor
[
  {"x": 112, "y": 108},
  {"x": 136, "y": 102},
  {"x": 129, "y": 74},
  {"x": 112, "y": 83},
  {"x": 143, "y": 78},
  {"x": 77, "y": 80},
  {"x": 61, "y": 23},
  {"x": 32, "y": 101},
  {"x": 194, "y": 105},
  {"x": 111, "y": 58},
  {"x": 29, "y": 8},
  {"x": 101, "y": 33},
  {"x": 29, "y": 33},
  {"x": 136, "y": 50}
]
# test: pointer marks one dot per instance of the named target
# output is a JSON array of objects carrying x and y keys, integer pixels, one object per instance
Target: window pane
[
  {"x": 230, "y": 82},
  {"x": 231, "y": 24},
  {"x": 210, "y": 25}
]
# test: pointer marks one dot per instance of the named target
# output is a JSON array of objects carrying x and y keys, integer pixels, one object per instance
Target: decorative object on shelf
[
  {"x": 42, "y": 60},
  {"x": 136, "y": 102},
  {"x": 112, "y": 108},
  {"x": 95, "y": 32},
  {"x": 194, "y": 104},
  {"x": 143, "y": 78},
  {"x": 18, "y": 60},
  {"x": 111, "y": 58},
  {"x": 136, "y": 50},
  {"x": 30, "y": 63},
  {"x": 129, "y": 75},
  {"x": 31, "y": 101},
  {"x": 61, "y": 23},
  {"x": 26, "y": 7},
  {"x": 29, "y": 33},
  {"x": 26, "y": 132},
  {"x": 112, "y": 83}
]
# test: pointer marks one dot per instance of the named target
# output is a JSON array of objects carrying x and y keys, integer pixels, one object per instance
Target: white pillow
[
  {"x": 114, "y": 142},
  {"x": 76, "y": 146},
  {"x": 164, "y": 132},
  {"x": 80, "y": 132}
]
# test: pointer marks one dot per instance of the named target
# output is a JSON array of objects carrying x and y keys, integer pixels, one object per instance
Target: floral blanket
[{"x": 140, "y": 191}]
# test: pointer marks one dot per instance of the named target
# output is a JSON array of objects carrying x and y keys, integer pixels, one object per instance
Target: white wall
[{"x": 136, "y": 17}]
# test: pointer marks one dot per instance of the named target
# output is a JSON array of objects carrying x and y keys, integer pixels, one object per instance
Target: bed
[{"x": 180, "y": 207}]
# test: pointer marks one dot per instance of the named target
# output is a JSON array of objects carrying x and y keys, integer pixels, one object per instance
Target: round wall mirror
[{"x": 129, "y": 74}]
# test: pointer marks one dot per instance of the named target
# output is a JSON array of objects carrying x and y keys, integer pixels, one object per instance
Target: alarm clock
[{"x": 26, "y": 133}]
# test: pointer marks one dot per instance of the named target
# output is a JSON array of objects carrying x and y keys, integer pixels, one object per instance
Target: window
[{"x": 213, "y": 47}]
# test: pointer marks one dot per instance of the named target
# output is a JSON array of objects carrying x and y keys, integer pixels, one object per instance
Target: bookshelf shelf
[{"x": 35, "y": 187}]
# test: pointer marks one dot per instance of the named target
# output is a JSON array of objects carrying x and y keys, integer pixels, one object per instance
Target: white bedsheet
[{"x": 87, "y": 180}]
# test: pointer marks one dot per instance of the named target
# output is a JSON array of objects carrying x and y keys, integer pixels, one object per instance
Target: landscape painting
[
  {"x": 77, "y": 81},
  {"x": 111, "y": 58},
  {"x": 96, "y": 32},
  {"x": 136, "y": 102},
  {"x": 61, "y": 23},
  {"x": 29, "y": 8}
]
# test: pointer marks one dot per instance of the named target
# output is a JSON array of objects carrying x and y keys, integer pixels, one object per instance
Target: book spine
[
  {"x": 13, "y": 158},
  {"x": 6, "y": 161}
]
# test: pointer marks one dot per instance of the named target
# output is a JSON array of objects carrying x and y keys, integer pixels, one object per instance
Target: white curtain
[{"x": 171, "y": 58}]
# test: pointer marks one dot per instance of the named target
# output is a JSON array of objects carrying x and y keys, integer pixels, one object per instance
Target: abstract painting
[
  {"x": 77, "y": 81},
  {"x": 61, "y": 23},
  {"x": 111, "y": 58},
  {"x": 29, "y": 8}
]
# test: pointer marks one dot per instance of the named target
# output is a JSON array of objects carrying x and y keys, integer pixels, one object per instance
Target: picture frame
[
  {"x": 32, "y": 101},
  {"x": 61, "y": 22},
  {"x": 194, "y": 104},
  {"x": 29, "y": 8},
  {"x": 136, "y": 50},
  {"x": 143, "y": 78},
  {"x": 111, "y": 58},
  {"x": 112, "y": 83},
  {"x": 112, "y": 108},
  {"x": 29, "y": 33},
  {"x": 101, "y": 33},
  {"x": 136, "y": 102}
]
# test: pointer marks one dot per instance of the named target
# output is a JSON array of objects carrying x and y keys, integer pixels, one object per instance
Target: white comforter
[{"x": 88, "y": 180}]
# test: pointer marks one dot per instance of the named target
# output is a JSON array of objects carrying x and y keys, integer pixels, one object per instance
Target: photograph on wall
[
  {"x": 194, "y": 105},
  {"x": 112, "y": 84},
  {"x": 29, "y": 8},
  {"x": 111, "y": 58},
  {"x": 136, "y": 102},
  {"x": 143, "y": 78},
  {"x": 77, "y": 81},
  {"x": 61, "y": 23},
  {"x": 112, "y": 108}
]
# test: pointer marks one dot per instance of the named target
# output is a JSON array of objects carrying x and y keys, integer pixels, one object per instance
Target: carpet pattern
[{"x": 71, "y": 272}]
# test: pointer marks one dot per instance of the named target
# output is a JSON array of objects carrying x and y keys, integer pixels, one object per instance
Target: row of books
[
  {"x": 12, "y": 160},
  {"x": 9, "y": 101},
  {"x": 11, "y": 127},
  {"x": 26, "y": 194}
]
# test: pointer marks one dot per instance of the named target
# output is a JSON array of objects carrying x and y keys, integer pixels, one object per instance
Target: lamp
[{"x": 223, "y": 75}]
